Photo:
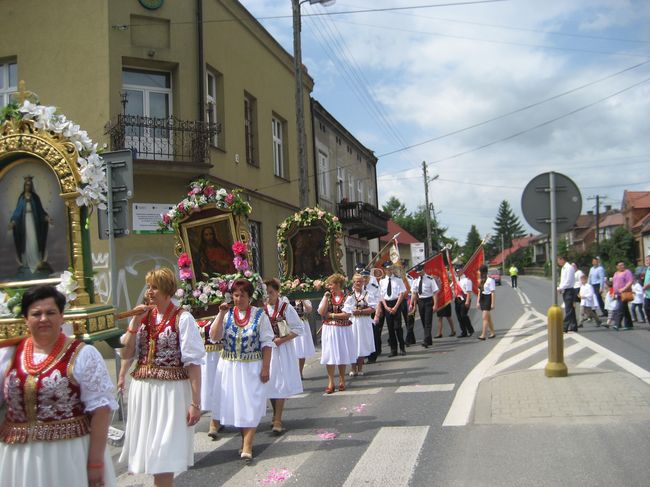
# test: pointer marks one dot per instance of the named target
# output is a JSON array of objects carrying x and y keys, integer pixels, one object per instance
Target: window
[
  {"x": 255, "y": 244},
  {"x": 213, "y": 107},
  {"x": 8, "y": 82},
  {"x": 323, "y": 174},
  {"x": 359, "y": 190},
  {"x": 370, "y": 199},
  {"x": 279, "y": 147},
  {"x": 340, "y": 177},
  {"x": 349, "y": 150},
  {"x": 351, "y": 189},
  {"x": 338, "y": 140},
  {"x": 250, "y": 133}
]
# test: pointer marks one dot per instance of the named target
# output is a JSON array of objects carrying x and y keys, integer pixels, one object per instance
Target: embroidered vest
[
  {"x": 279, "y": 323},
  {"x": 47, "y": 406},
  {"x": 336, "y": 308},
  {"x": 242, "y": 343},
  {"x": 160, "y": 355},
  {"x": 204, "y": 330}
]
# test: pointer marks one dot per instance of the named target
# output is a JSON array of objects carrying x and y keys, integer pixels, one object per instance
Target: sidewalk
[{"x": 586, "y": 396}]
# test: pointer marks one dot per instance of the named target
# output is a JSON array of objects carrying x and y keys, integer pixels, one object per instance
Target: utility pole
[
  {"x": 427, "y": 180},
  {"x": 597, "y": 198},
  {"x": 503, "y": 257}
]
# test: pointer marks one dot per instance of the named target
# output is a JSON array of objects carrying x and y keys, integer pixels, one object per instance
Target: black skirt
[
  {"x": 485, "y": 301},
  {"x": 444, "y": 312}
]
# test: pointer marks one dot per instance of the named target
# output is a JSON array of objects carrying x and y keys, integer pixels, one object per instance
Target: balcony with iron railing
[
  {"x": 168, "y": 141},
  {"x": 363, "y": 219}
]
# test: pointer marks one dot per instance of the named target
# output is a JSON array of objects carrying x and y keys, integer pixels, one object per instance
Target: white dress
[
  {"x": 364, "y": 338},
  {"x": 337, "y": 342},
  {"x": 41, "y": 463},
  {"x": 304, "y": 344},
  {"x": 243, "y": 395},
  {"x": 158, "y": 439},
  {"x": 285, "y": 378},
  {"x": 210, "y": 380}
]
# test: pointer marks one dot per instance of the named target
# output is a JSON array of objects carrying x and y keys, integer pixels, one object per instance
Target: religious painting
[
  {"x": 35, "y": 243},
  {"x": 307, "y": 252},
  {"x": 208, "y": 242}
]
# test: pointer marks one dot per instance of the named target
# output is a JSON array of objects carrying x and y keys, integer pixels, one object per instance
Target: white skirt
[
  {"x": 285, "y": 374},
  {"x": 41, "y": 463},
  {"x": 337, "y": 345},
  {"x": 304, "y": 344},
  {"x": 364, "y": 338},
  {"x": 210, "y": 382},
  {"x": 243, "y": 396},
  {"x": 157, "y": 438}
]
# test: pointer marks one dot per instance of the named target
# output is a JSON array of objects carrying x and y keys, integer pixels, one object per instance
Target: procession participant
[
  {"x": 567, "y": 278},
  {"x": 59, "y": 398},
  {"x": 577, "y": 275},
  {"x": 337, "y": 341},
  {"x": 445, "y": 312},
  {"x": 588, "y": 301},
  {"x": 622, "y": 283},
  {"x": 374, "y": 294},
  {"x": 370, "y": 282},
  {"x": 360, "y": 306},
  {"x": 285, "y": 380},
  {"x": 168, "y": 350},
  {"x": 245, "y": 363},
  {"x": 304, "y": 344},
  {"x": 463, "y": 302},
  {"x": 393, "y": 293},
  {"x": 408, "y": 313},
  {"x": 486, "y": 301},
  {"x": 646, "y": 289},
  {"x": 597, "y": 281},
  {"x": 425, "y": 297},
  {"x": 210, "y": 379}
]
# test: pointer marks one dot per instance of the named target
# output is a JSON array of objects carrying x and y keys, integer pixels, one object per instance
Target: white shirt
[
  {"x": 489, "y": 287},
  {"x": 290, "y": 314},
  {"x": 351, "y": 301},
  {"x": 567, "y": 277},
  {"x": 466, "y": 285},
  {"x": 637, "y": 289},
  {"x": 397, "y": 287},
  {"x": 578, "y": 274},
  {"x": 373, "y": 289},
  {"x": 588, "y": 296},
  {"x": 429, "y": 286}
]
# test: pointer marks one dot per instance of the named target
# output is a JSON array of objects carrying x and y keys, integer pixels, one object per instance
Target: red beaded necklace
[
  {"x": 154, "y": 329},
  {"x": 241, "y": 322},
  {"x": 276, "y": 309},
  {"x": 35, "y": 369},
  {"x": 340, "y": 301}
]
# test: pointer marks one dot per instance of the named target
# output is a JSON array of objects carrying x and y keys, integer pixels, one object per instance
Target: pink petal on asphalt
[{"x": 275, "y": 476}]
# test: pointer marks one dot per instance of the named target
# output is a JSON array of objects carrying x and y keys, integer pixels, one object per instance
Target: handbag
[
  {"x": 283, "y": 328},
  {"x": 627, "y": 296},
  {"x": 116, "y": 435}
]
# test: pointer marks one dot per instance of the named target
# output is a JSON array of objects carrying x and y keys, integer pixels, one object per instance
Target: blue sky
[{"x": 402, "y": 77}]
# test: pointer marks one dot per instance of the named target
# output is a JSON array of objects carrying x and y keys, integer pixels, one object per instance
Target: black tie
[
  {"x": 389, "y": 289},
  {"x": 420, "y": 285}
]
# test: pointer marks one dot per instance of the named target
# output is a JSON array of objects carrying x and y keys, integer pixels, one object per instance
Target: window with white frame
[
  {"x": 255, "y": 244},
  {"x": 351, "y": 188},
  {"x": 359, "y": 190},
  {"x": 8, "y": 81},
  {"x": 371, "y": 199},
  {"x": 278, "y": 147},
  {"x": 211, "y": 104},
  {"x": 340, "y": 177},
  {"x": 323, "y": 174},
  {"x": 250, "y": 116}
]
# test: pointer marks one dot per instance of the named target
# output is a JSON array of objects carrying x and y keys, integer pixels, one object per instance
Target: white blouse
[
  {"x": 351, "y": 301},
  {"x": 89, "y": 371},
  {"x": 489, "y": 287},
  {"x": 293, "y": 320}
]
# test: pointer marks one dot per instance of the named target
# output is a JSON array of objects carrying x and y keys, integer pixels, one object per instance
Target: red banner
[
  {"x": 436, "y": 267},
  {"x": 471, "y": 268}
]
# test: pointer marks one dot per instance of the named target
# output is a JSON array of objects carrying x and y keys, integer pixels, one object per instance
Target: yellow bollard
[{"x": 555, "y": 366}]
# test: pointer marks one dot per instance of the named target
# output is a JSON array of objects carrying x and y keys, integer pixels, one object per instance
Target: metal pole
[
  {"x": 503, "y": 256},
  {"x": 598, "y": 224},
  {"x": 553, "y": 234},
  {"x": 300, "y": 109},
  {"x": 428, "y": 213}
]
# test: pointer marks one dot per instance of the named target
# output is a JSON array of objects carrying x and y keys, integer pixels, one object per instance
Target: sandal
[
  {"x": 329, "y": 390},
  {"x": 341, "y": 387},
  {"x": 481, "y": 338},
  {"x": 247, "y": 457},
  {"x": 492, "y": 335}
]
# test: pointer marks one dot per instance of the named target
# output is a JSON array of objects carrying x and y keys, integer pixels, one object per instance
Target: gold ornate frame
[{"x": 335, "y": 253}]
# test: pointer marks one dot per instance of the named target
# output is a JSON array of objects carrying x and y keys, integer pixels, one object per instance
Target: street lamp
[{"x": 300, "y": 106}]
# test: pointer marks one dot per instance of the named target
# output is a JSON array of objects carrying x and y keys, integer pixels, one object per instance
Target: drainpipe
[{"x": 201, "y": 62}]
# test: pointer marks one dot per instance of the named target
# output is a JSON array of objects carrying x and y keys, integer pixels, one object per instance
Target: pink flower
[
  {"x": 240, "y": 263},
  {"x": 195, "y": 190},
  {"x": 318, "y": 284},
  {"x": 181, "y": 207},
  {"x": 196, "y": 293},
  {"x": 166, "y": 218},
  {"x": 230, "y": 198},
  {"x": 180, "y": 292},
  {"x": 239, "y": 247},
  {"x": 186, "y": 273},
  {"x": 184, "y": 260},
  {"x": 248, "y": 274},
  {"x": 223, "y": 286},
  {"x": 209, "y": 191}
]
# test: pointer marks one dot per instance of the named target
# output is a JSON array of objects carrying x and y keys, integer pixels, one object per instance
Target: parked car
[{"x": 495, "y": 274}]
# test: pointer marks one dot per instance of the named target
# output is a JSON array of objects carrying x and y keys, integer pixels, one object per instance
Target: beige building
[
  {"x": 347, "y": 186},
  {"x": 212, "y": 98}
]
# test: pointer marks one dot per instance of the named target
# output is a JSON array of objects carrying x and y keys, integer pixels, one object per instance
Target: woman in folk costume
[
  {"x": 337, "y": 342},
  {"x": 59, "y": 398},
  {"x": 304, "y": 344},
  {"x": 210, "y": 379},
  {"x": 245, "y": 363},
  {"x": 360, "y": 305},
  {"x": 285, "y": 378},
  {"x": 165, "y": 393}
]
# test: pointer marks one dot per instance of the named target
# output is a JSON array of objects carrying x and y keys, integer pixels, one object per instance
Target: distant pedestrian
[
  {"x": 646, "y": 288},
  {"x": 567, "y": 280},
  {"x": 588, "y": 301},
  {"x": 610, "y": 302},
  {"x": 514, "y": 272},
  {"x": 393, "y": 292},
  {"x": 577, "y": 282},
  {"x": 637, "y": 302},
  {"x": 622, "y": 284},
  {"x": 463, "y": 304},
  {"x": 486, "y": 301},
  {"x": 597, "y": 281}
]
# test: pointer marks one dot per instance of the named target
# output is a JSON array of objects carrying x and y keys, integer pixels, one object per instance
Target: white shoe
[{"x": 352, "y": 373}]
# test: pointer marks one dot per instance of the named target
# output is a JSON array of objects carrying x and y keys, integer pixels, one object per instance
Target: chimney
[{"x": 608, "y": 208}]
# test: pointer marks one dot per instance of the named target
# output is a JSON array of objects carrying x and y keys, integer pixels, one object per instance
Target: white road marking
[
  {"x": 592, "y": 362},
  {"x": 426, "y": 388},
  {"x": 575, "y": 348},
  {"x": 378, "y": 465},
  {"x": 528, "y": 339},
  {"x": 300, "y": 396},
  {"x": 355, "y": 392},
  {"x": 516, "y": 359}
]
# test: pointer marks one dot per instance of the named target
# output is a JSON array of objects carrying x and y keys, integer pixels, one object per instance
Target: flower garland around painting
[{"x": 305, "y": 218}]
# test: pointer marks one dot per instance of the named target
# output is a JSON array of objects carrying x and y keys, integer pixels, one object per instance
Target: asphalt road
[{"x": 389, "y": 427}]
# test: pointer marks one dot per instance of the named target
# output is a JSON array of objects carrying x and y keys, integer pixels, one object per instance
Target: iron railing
[
  {"x": 363, "y": 219},
  {"x": 163, "y": 139}
]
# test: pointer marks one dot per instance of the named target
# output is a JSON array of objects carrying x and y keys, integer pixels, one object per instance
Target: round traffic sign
[{"x": 536, "y": 203}]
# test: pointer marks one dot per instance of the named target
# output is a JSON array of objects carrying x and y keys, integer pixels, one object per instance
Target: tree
[
  {"x": 619, "y": 247},
  {"x": 395, "y": 208},
  {"x": 472, "y": 243},
  {"x": 506, "y": 224}
]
